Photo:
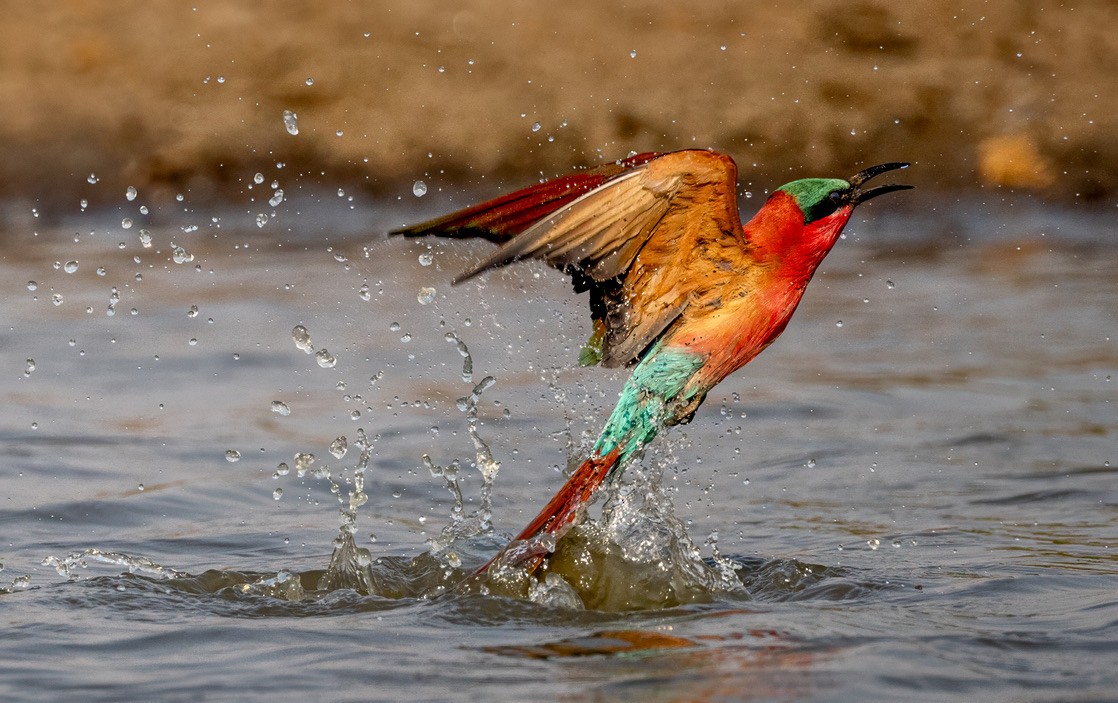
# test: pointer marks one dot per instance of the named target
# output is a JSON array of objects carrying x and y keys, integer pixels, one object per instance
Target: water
[{"x": 917, "y": 505}]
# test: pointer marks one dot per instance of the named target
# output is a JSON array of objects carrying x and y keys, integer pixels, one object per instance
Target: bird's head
[
  {"x": 802, "y": 220},
  {"x": 820, "y": 198}
]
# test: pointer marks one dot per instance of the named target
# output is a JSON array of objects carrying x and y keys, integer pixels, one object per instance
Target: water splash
[
  {"x": 302, "y": 339},
  {"x": 291, "y": 122},
  {"x": 66, "y": 566},
  {"x": 464, "y": 351}
]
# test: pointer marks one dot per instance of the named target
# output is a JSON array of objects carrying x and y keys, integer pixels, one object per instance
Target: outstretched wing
[
  {"x": 638, "y": 241},
  {"x": 499, "y": 219}
]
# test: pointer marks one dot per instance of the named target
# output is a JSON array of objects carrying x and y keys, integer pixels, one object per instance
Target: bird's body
[{"x": 678, "y": 286}]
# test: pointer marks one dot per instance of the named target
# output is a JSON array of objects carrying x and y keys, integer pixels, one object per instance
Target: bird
[{"x": 680, "y": 289}]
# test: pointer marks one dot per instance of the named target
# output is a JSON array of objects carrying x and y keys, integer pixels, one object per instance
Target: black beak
[{"x": 857, "y": 195}]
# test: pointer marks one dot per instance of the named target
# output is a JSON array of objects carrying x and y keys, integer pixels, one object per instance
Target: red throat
[{"x": 793, "y": 249}]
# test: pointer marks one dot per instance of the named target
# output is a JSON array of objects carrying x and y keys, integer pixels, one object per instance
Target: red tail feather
[
  {"x": 559, "y": 514},
  {"x": 499, "y": 219}
]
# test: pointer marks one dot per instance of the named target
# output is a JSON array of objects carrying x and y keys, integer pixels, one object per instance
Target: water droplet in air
[
  {"x": 291, "y": 122},
  {"x": 339, "y": 447},
  {"x": 258, "y": 178},
  {"x": 145, "y": 239},
  {"x": 302, "y": 338},
  {"x": 70, "y": 267},
  {"x": 890, "y": 285},
  {"x": 426, "y": 295},
  {"x": 874, "y": 543},
  {"x": 130, "y": 193},
  {"x": 394, "y": 326},
  {"x": 232, "y": 456},
  {"x": 310, "y": 81},
  {"x": 261, "y": 219},
  {"x": 419, "y": 189},
  {"x": 181, "y": 256},
  {"x": 303, "y": 462},
  {"x": 536, "y": 126},
  {"x": 633, "y": 54},
  {"x": 363, "y": 292},
  {"x": 426, "y": 258},
  {"x": 283, "y": 469},
  {"x": 56, "y": 299},
  {"x": 276, "y": 198},
  {"x": 30, "y": 367},
  {"x": 32, "y": 285},
  {"x": 325, "y": 359},
  {"x": 838, "y": 324},
  {"x": 810, "y": 463},
  {"x": 277, "y": 494},
  {"x": 92, "y": 178}
]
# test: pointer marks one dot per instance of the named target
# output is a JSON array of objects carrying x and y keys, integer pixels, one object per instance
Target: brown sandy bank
[{"x": 192, "y": 95}]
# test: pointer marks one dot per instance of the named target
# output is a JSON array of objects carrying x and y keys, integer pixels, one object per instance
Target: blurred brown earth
[{"x": 159, "y": 93}]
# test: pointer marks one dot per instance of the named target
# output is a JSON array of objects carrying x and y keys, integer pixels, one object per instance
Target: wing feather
[{"x": 637, "y": 239}]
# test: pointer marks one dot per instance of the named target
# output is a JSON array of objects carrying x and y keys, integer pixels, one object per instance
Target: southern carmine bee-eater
[{"x": 679, "y": 288}]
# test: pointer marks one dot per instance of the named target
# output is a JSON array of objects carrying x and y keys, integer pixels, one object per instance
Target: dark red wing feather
[{"x": 499, "y": 219}]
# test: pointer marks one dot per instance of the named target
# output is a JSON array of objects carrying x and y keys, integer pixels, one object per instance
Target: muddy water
[{"x": 914, "y": 488}]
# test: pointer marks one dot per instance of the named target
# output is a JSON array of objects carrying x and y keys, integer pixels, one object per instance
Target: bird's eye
[
  {"x": 825, "y": 206},
  {"x": 837, "y": 197}
]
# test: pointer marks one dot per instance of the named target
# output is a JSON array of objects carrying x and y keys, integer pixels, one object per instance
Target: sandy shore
[{"x": 192, "y": 95}]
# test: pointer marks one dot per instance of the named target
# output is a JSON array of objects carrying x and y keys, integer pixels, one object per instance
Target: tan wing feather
[
  {"x": 588, "y": 230},
  {"x": 643, "y": 235}
]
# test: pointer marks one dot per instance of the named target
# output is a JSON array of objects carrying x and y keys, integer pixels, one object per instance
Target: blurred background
[{"x": 179, "y": 95}]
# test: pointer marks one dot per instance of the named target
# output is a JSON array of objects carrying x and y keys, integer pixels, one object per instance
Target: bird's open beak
[{"x": 860, "y": 196}]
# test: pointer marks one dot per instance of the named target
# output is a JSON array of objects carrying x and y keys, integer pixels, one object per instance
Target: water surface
[{"x": 914, "y": 488}]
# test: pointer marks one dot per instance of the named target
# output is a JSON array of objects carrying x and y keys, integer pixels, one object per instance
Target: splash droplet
[
  {"x": 326, "y": 360},
  {"x": 291, "y": 122},
  {"x": 302, "y": 339},
  {"x": 232, "y": 456},
  {"x": 276, "y": 198},
  {"x": 131, "y": 193},
  {"x": 419, "y": 189},
  {"x": 339, "y": 447},
  {"x": 426, "y": 295},
  {"x": 70, "y": 267},
  {"x": 181, "y": 256}
]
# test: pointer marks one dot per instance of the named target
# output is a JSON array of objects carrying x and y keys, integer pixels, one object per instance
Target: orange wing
[{"x": 637, "y": 240}]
